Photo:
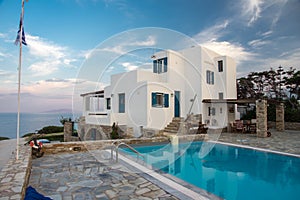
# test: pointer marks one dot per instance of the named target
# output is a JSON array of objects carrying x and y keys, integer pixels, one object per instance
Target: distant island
[{"x": 60, "y": 111}]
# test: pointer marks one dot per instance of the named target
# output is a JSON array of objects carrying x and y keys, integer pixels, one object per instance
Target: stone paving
[
  {"x": 13, "y": 174},
  {"x": 287, "y": 142},
  {"x": 90, "y": 175}
]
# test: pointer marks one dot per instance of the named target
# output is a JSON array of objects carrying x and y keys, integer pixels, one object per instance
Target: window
[
  {"x": 210, "y": 77},
  {"x": 160, "y": 100},
  {"x": 122, "y": 103},
  {"x": 221, "y": 95},
  {"x": 220, "y": 65},
  {"x": 211, "y": 111},
  {"x": 108, "y": 103},
  {"x": 160, "y": 65}
]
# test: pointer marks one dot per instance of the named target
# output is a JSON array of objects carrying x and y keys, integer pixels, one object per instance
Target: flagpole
[{"x": 19, "y": 82}]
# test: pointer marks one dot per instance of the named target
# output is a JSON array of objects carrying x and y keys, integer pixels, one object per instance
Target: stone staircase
[{"x": 174, "y": 125}]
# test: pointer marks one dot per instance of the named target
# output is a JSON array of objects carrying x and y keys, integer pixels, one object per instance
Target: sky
[{"x": 63, "y": 36}]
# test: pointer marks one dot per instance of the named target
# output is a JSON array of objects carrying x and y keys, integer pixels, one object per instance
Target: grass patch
[
  {"x": 49, "y": 136},
  {"x": 4, "y": 138}
]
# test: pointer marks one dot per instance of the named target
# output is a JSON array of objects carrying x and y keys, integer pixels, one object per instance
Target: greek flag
[{"x": 23, "y": 34}]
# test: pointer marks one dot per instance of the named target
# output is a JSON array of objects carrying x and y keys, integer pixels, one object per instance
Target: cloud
[
  {"x": 51, "y": 87},
  {"x": 212, "y": 33},
  {"x": 268, "y": 33},
  {"x": 45, "y": 49},
  {"x": 6, "y": 74},
  {"x": 286, "y": 59},
  {"x": 129, "y": 67},
  {"x": 150, "y": 41},
  {"x": 211, "y": 38},
  {"x": 258, "y": 43},
  {"x": 57, "y": 80},
  {"x": 5, "y": 55},
  {"x": 50, "y": 57},
  {"x": 2, "y": 35},
  {"x": 121, "y": 46},
  {"x": 45, "y": 67},
  {"x": 254, "y": 10},
  {"x": 236, "y": 51}
]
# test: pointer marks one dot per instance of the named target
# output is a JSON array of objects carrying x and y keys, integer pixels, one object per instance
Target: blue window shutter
[
  {"x": 154, "y": 66},
  {"x": 165, "y": 64},
  {"x": 166, "y": 100},
  {"x": 159, "y": 66},
  {"x": 154, "y": 99},
  {"x": 207, "y": 77},
  {"x": 212, "y": 78}
]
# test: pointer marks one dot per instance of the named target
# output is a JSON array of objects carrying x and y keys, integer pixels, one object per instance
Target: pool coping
[
  {"x": 255, "y": 148},
  {"x": 185, "y": 184},
  {"x": 167, "y": 183}
]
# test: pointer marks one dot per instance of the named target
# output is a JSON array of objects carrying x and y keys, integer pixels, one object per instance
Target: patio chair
[
  {"x": 240, "y": 126},
  {"x": 233, "y": 127}
]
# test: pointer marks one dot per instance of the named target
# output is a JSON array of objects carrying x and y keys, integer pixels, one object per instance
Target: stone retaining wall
[
  {"x": 288, "y": 125},
  {"x": 73, "y": 147},
  {"x": 14, "y": 176}
]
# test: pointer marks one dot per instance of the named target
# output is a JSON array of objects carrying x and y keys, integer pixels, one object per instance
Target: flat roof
[
  {"x": 99, "y": 93},
  {"x": 238, "y": 101}
]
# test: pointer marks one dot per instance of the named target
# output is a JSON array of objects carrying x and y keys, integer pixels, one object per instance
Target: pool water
[{"x": 227, "y": 171}]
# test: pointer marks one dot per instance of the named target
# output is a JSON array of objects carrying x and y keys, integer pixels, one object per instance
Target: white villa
[{"x": 191, "y": 81}]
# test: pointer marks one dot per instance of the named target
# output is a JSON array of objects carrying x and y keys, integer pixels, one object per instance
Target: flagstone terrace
[{"x": 115, "y": 180}]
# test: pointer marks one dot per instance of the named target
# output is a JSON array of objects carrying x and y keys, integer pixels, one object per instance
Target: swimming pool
[{"x": 229, "y": 172}]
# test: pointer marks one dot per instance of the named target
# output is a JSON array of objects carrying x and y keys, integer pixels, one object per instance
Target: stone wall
[
  {"x": 288, "y": 125},
  {"x": 280, "y": 117},
  {"x": 261, "y": 118},
  {"x": 93, "y": 131},
  {"x": 14, "y": 175},
  {"x": 68, "y": 132},
  {"x": 100, "y": 132},
  {"x": 73, "y": 147}
]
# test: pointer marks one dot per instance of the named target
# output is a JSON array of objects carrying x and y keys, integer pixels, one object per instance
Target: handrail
[
  {"x": 189, "y": 113},
  {"x": 127, "y": 145}
]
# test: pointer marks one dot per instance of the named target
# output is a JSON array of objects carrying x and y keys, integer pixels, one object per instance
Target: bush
[
  {"x": 114, "y": 134},
  {"x": 63, "y": 120},
  {"x": 250, "y": 114},
  {"x": 51, "y": 129},
  {"x": 28, "y": 135},
  {"x": 292, "y": 115},
  {"x": 54, "y": 137},
  {"x": 4, "y": 138}
]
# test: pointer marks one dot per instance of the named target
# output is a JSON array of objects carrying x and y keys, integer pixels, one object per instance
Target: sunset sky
[{"x": 61, "y": 34}]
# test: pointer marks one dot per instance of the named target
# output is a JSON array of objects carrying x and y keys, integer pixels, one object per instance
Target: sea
[{"x": 30, "y": 122}]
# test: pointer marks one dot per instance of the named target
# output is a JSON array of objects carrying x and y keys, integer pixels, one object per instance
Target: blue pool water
[{"x": 227, "y": 171}]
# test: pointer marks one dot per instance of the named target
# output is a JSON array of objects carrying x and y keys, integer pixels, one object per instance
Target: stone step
[
  {"x": 177, "y": 119},
  {"x": 171, "y": 128},
  {"x": 170, "y": 131},
  {"x": 173, "y": 125}
]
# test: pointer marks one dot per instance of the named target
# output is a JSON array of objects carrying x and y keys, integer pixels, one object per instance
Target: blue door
[
  {"x": 122, "y": 103},
  {"x": 177, "y": 104}
]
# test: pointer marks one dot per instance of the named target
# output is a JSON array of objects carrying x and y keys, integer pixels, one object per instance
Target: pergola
[{"x": 261, "y": 112}]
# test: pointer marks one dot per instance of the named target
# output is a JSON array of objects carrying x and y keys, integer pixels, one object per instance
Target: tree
[
  {"x": 63, "y": 120},
  {"x": 292, "y": 82},
  {"x": 245, "y": 88},
  {"x": 273, "y": 84}
]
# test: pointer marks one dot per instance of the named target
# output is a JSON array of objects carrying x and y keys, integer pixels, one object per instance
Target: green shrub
[
  {"x": 4, "y": 138},
  {"x": 114, "y": 134},
  {"x": 51, "y": 129},
  {"x": 28, "y": 135},
  {"x": 54, "y": 137}
]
